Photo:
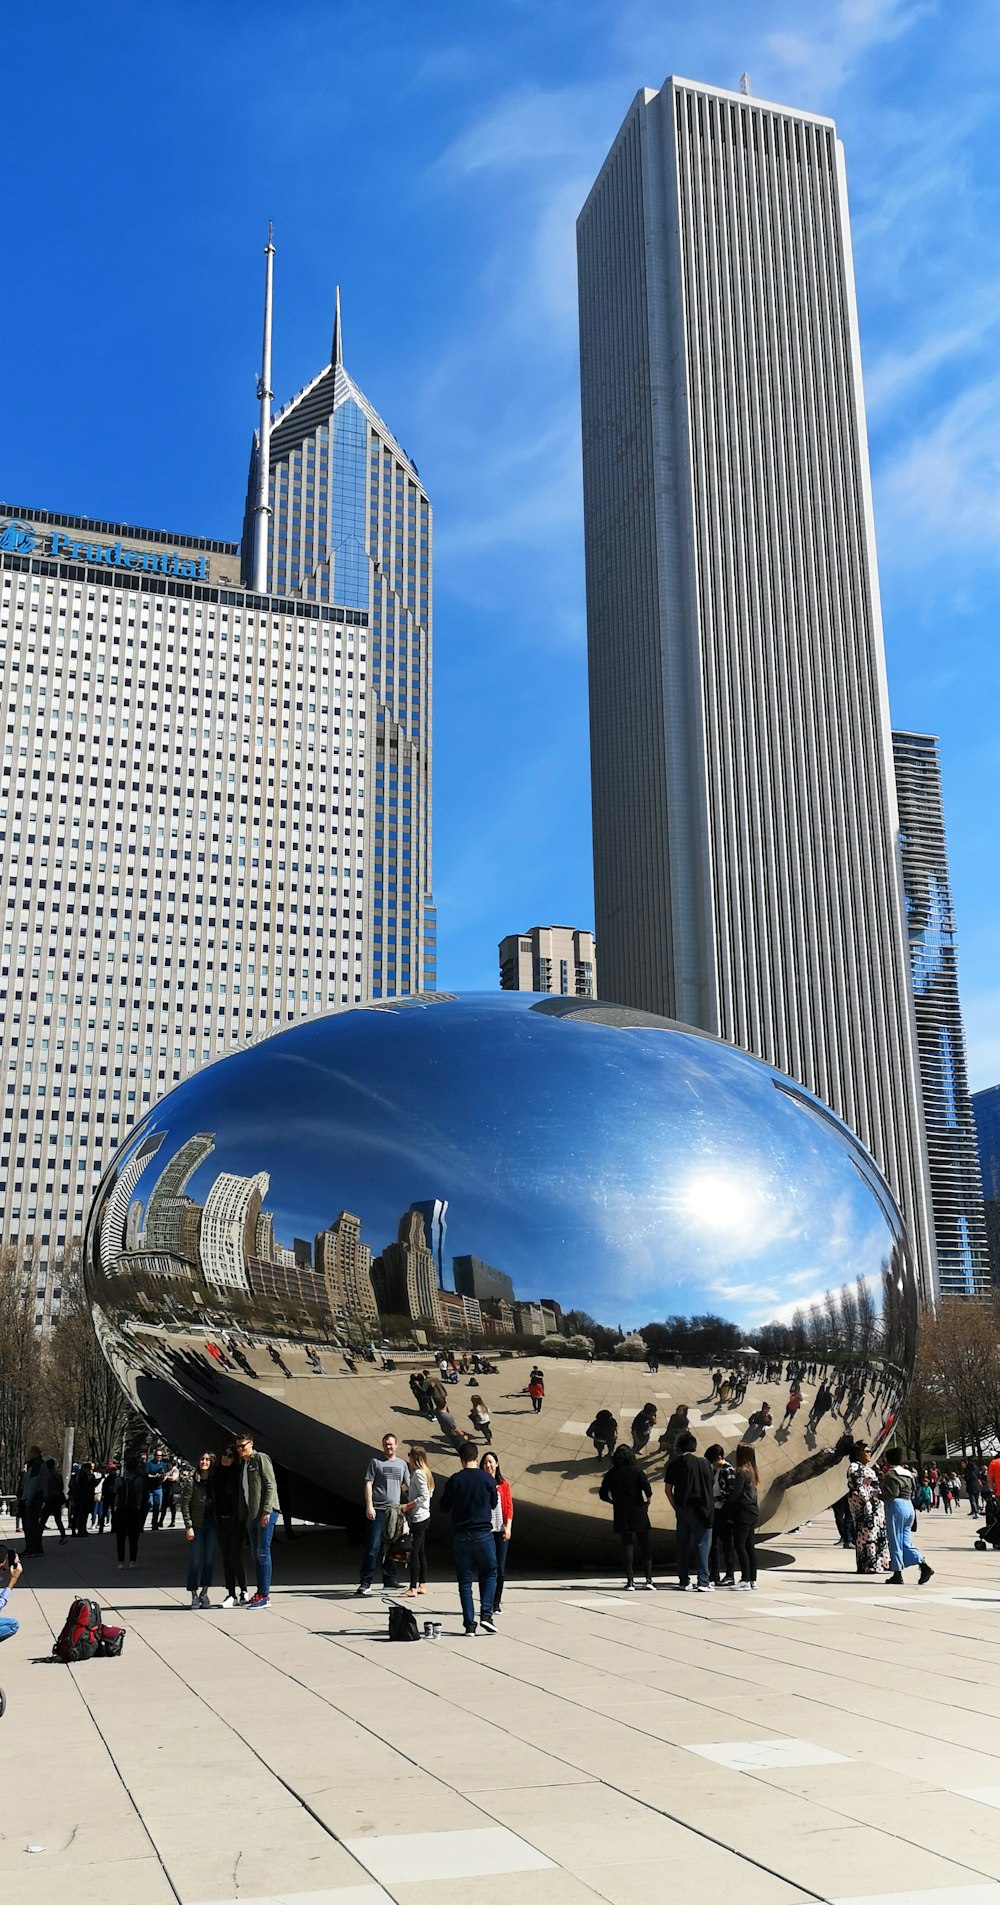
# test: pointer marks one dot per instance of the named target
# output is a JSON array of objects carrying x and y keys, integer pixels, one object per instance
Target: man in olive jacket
[{"x": 258, "y": 1507}]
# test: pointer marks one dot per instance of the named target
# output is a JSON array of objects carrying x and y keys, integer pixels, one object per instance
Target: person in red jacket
[
  {"x": 536, "y": 1389},
  {"x": 503, "y": 1517}
]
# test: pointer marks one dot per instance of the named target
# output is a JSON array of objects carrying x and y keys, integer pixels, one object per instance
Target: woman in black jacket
[
  {"x": 628, "y": 1490},
  {"x": 226, "y": 1479},
  {"x": 742, "y": 1508}
]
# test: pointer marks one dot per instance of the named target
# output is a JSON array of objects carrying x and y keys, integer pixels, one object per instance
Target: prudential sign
[{"x": 22, "y": 539}]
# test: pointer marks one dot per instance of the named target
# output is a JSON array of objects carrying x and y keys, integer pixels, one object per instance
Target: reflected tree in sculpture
[{"x": 293, "y": 1232}]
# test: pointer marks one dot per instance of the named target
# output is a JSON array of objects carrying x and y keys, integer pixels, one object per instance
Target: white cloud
[
  {"x": 945, "y": 485},
  {"x": 824, "y": 58}
]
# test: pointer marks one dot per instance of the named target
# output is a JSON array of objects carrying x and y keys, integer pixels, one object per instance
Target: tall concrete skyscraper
[
  {"x": 747, "y": 877},
  {"x": 956, "y": 1182}
]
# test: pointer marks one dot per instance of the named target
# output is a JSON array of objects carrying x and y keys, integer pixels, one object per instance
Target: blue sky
[{"x": 433, "y": 159}]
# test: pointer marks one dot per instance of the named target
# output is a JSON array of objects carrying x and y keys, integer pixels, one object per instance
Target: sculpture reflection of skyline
[{"x": 226, "y": 1247}]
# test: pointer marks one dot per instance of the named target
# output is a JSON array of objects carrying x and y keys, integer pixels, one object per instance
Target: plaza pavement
[{"x": 826, "y": 1738}]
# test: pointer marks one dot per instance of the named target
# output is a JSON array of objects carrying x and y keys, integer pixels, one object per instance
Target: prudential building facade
[
  {"x": 745, "y": 826},
  {"x": 215, "y": 802}
]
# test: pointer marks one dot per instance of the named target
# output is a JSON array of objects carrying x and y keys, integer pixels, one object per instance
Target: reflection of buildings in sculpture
[
  {"x": 133, "y": 1224},
  {"x": 302, "y": 1253},
  {"x": 405, "y": 1276},
  {"x": 154, "y": 1263},
  {"x": 463, "y": 1316},
  {"x": 549, "y": 959},
  {"x": 498, "y": 1316},
  {"x": 345, "y": 1265},
  {"x": 264, "y": 1237},
  {"x": 172, "y": 1216},
  {"x": 117, "y": 1207},
  {"x": 289, "y": 1284},
  {"x": 434, "y": 1211},
  {"x": 475, "y": 1278},
  {"x": 528, "y": 1319},
  {"x": 228, "y": 1228}
]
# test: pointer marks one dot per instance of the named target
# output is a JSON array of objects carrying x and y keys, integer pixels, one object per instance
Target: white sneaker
[
  {"x": 708, "y": 1588},
  {"x": 743, "y": 1587},
  {"x": 230, "y": 1601},
  {"x": 650, "y": 1587}
]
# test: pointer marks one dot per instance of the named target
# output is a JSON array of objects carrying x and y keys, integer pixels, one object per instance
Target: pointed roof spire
[{"x": 337, "y": 349}]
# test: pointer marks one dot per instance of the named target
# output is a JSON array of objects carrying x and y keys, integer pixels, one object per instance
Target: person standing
[
  {"x": 385, "y": 1478},
  {"x": 864, "y": 1498},
  {"x": 130, "y": 1507},
  {"x": 156, "y": 1469},
  {"x": 722, "y": 1559},
  {"x": 628, "y": 1490},
  {"x": 106, "y": 1502},
  {"x": 196, "y": 1501},
  {"x": 502, "y": 1523},
  {"x": 55, "y": 1499},
  {"x": 417, "y": 1509},
  {"x": 897, "y": 1494},
  {"x": 603, "y": 1433},
  {"x": 536, "y": 1389},
  {"x": 10, "y": 1574},
  {"x": 33, "y": 1500},
  {"x": 232, "y": 1531},
  {"x": 470, "y": 1496},
  {"x": 82, "y": 1494},
  {"x": 687, "y": 1482},
  {"x": 973, "y": 1484},
  {"x": 743, "y": 1511},
  {"x": 171, "y": 1485},
  {"x": 258, "y": 1510}
]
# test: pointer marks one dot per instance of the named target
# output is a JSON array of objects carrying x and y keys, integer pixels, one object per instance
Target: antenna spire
[
  {"x": 337, "y": 348},
  {"x": 262, "y": 507},
  {"x": 745, "y": 84}
]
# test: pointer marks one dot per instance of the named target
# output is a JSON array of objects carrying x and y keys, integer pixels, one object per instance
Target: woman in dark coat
[{"x": 628, "y": 1490}]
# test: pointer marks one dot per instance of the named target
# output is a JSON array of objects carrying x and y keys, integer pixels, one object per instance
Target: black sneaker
[
  {"x": 895, "y": 1580},
  {"x": 469, "y": 1632},
  {"x": 486, "y": 1623},
  {"x": 925, "y": 1574},
  {"x": 360, "y": 1590}
]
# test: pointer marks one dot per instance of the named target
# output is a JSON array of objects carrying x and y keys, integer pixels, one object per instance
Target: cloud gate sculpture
[{"x": 294, "y": 1233}]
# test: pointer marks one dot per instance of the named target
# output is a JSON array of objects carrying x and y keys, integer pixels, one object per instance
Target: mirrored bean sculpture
[{"x": 385, "y": 1219}]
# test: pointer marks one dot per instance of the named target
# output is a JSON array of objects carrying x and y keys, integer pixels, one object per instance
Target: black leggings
[
  {"x": 636, "y": 1541},
  {"x": 418, "y": 1557},
  {"x": 743, "y": 1537},
  {"x": 128, "y": 1526}
]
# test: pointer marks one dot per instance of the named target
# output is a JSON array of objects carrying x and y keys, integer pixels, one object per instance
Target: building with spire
[
  {"x": 350, "y": 524},
  {"x": 215, "y": 806}
]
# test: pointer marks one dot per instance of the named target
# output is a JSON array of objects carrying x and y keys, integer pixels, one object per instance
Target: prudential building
[
  {"x": 745, "y": 826},
  {"x": 215, "y": 806}
]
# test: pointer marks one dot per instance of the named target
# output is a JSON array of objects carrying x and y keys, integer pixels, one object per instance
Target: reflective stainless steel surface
[{"x": 307, "y": 1204}]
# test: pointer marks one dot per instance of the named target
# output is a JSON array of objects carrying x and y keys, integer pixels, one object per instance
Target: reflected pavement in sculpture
[{"x": 295, "y": 1232}]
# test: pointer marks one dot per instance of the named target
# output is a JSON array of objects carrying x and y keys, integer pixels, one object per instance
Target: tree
[
  {"x": 81, "y": 1388},
  {"x": 631, "y": 1349},
  {"x": 20, "y": 1370}
]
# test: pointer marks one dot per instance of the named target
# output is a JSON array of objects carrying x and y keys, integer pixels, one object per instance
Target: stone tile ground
[{"x": 824, "y": 1739}]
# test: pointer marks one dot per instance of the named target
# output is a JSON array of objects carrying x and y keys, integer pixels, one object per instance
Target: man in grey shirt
[{"x": 385, "y": 1478}]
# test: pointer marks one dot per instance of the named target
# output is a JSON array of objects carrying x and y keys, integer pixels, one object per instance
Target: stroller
[{"x": 988, "y": 1536}]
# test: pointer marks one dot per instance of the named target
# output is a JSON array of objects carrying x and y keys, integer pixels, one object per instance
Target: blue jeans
[
  {"x": 201, "y": 1555},
  {"x": 8, "y": 1628},
  {"x": 475, "y": 1555},
  {"x": 501, "y": 1546},
  {"x": 693, "y": 1539},
  {"x": 156, "y": 1504},
  {"x": 373, "y": 1542},
  {"x": 260, "y": 1541},
  {"x": 898, "y": 1526}
]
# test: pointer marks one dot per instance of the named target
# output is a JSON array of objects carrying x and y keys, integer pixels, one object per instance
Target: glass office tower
[
  {"x": 956, "y": 1185},
  {"x": 986, "y": 1111},
  {"x": 746, "y": 876}
]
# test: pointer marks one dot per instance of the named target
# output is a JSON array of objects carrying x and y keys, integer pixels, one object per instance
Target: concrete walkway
[{"x": 825, "y": 1738}]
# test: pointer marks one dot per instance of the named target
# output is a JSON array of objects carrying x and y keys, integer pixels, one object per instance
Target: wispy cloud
[
  {"x": 945, "y": 484},
  {"x": 823, "y": 58}
]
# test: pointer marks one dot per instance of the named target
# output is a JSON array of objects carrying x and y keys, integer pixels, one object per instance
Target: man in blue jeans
[
  {"x": 385, "y": 1479},
  {"x": 469, "y": 1497},
  {"x": 688, "y": 1481},
  {"x": 258, "y": 1508},
  {"x": 10, "y": 1574}
]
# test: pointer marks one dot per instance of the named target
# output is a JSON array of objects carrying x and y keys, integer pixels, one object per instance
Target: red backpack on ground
[
  {"x": 81, "y": 1633},
  {"x": 111, "y": 1642}
]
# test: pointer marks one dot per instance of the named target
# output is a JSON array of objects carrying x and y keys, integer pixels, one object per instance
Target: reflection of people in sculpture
[
  {"x": 642, "y": 1426},
  {"x": 479, "y": 1416},
  {"x": 761, "y": 1421},
  {"x": 677, "y": 1425},
  {"x": 822, "y": 1404},
  {"x": 536, "y": 1389},
  {"x": 627, "y": 1488},
  {"x": 794, "y": 1403},
  {"x": 603, "y": 1432}
]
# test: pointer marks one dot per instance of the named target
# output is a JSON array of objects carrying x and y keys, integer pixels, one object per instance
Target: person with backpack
[
  {"x": 131, "y": 1507},
  {"x": 196, "y": 1501}
]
